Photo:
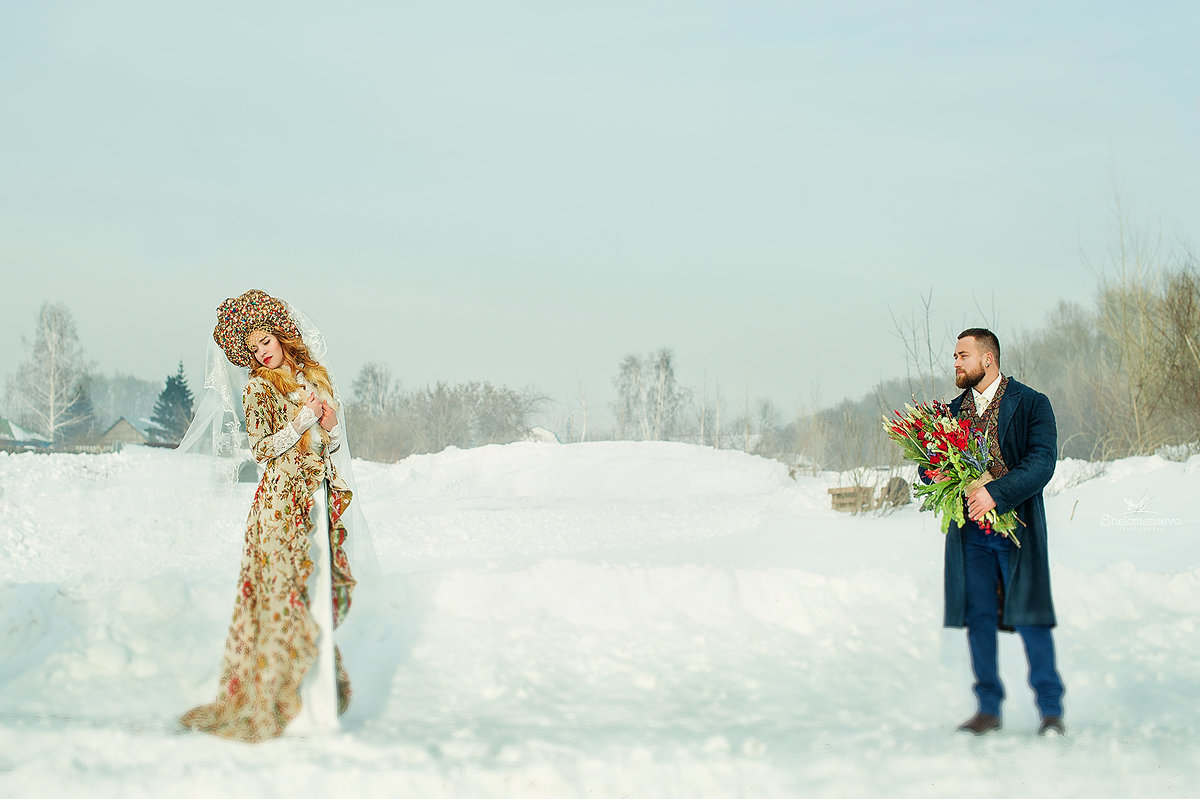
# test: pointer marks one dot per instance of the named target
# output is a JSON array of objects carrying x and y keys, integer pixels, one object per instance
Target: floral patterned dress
[{"x": 272, "y": 640}]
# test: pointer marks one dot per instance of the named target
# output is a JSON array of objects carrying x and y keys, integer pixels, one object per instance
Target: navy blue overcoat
[{"x": 1029, "y": 444}]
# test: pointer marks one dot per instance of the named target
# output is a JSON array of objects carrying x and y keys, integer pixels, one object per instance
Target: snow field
[{"x": 592, "y": 620}]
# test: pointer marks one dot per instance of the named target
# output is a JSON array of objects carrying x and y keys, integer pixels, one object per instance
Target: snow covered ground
[{"x": 594, "y": 620}]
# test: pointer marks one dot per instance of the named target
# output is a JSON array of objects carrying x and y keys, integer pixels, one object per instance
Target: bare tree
[
  {"x": 498, "y": 414},
  {"x": 1178, "y": 324},
  {"x": 120, "y": 394},
  {"x": 807, "y": 435},
  {"x": 373, "y": 390},
  {"x": 650, "y": 401},
  {"x": 1062, "y": 359},
  {"x": 923, "y": 362},
  {"x": 717, "y": 419},
  {"x": 669, "y": 397},
  {"x": 702, "y": 415},
  {"x": 378, "y": 429},
  {"x": 1146, "y": 323},
  {"x": 746, "y": 424},
  {"x": 630, "y": 404},
  {"x": 387, "y": 424},
  {"x": 48, "y": 389},
  {"x": 770, "y": 442},
  {"x": 583, "y": 413}
]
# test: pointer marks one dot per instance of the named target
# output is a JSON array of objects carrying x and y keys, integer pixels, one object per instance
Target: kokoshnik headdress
[{"x": 238, "y": 317}]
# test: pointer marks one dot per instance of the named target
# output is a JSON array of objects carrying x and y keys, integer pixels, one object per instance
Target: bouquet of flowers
[{"x": 954, "y": 458}]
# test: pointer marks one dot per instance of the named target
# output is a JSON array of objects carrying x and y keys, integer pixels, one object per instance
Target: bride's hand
[
  {"x": 328, "y": 417},
  {"x": 315, "y": 405}
]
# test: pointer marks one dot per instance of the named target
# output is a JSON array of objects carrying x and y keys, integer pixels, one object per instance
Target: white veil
[{"x": 218, "y": 429}]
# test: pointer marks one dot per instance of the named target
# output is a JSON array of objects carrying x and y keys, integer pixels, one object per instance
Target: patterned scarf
[{"x": 987, "y": 423}]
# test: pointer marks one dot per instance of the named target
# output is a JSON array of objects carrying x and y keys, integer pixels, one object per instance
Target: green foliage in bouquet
[{"x": 954, "y": 458}]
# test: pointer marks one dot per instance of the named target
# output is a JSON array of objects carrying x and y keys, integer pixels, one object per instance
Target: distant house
[
  {"x": 541, "y": 435},
  {"x": 124, "y": 431},
  {"x": 14, "y": 436},
  {"x": 7, "y": 431}
]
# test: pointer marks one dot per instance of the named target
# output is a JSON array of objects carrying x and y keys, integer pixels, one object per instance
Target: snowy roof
[
  {"x": 11, "y": 431},
  {"x": 124, "y": 430},
  {"x": 141, "y": 425}
]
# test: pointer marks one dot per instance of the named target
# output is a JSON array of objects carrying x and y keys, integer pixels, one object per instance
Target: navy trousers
[{"x": 986, "y": 563}]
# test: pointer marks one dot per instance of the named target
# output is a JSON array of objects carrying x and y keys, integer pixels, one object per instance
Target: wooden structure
[
  {"x": 123, "y": 432},
  {"x": 856, "y": 499},
  {"x": 853, "y": 499},
  {"x": 14, "y": 438}
]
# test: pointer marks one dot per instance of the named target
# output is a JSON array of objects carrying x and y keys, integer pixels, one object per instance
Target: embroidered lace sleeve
[
  {"x": 262, "y": 416},
  {"x": 278, "y": 443}
]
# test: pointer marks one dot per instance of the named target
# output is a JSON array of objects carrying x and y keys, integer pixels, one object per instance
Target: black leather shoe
[
  {"x": 980, "y": 724},
  {"x": 1052, "y": 725}
]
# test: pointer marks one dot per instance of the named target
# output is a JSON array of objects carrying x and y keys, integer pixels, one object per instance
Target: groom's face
[{"x": 968, "y": 363}]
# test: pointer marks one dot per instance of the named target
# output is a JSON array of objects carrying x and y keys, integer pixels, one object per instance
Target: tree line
[
  {"x": 1122, "y": 375},
  {"x": 387, "y": 423},
  {"x": 1122, "y": 372},
  {"x": 57, "y": 397}
]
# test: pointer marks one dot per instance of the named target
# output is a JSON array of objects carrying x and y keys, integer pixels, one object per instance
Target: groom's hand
[
  {"x": 979, "y": 502},
  {"x": 935, "y": 476}
]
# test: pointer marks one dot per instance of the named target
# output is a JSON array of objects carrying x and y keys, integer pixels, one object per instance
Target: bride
[{"x": 280, "y": 667}]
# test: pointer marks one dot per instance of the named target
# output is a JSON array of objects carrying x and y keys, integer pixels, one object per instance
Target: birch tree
[
  {"x": 669, "y": 398},
  {"x": 48, "y": 389},
  {"x": 650, "y": 400},
  {"x": 631, "y": 394}
]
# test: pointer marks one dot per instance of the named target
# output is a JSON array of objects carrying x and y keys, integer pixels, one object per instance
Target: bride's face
[{"x": 265, "y": 348}]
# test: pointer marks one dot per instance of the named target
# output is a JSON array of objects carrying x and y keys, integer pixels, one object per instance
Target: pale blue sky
[{"x": 526, "y": 192}]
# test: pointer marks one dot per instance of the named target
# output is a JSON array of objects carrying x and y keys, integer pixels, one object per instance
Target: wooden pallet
[
  {"x": 856, "y": 499},
  {"x": 852, "y": 499}
]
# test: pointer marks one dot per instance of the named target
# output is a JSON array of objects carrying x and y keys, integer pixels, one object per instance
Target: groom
[{"x": 990, "y": 582}]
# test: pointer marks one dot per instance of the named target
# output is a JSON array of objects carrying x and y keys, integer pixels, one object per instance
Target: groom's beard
[{"x": 969, "y": 379}]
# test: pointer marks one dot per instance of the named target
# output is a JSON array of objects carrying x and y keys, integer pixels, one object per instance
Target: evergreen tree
[{"x": 173, "y": 411}]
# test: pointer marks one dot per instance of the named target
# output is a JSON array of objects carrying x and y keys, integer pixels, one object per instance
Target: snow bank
[{"x": 603, "y": 619}]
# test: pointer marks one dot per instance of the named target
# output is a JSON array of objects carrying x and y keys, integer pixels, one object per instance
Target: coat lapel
[
  {"x": 1008, "y": 409},
  {"x": 957, "y": 403}
]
